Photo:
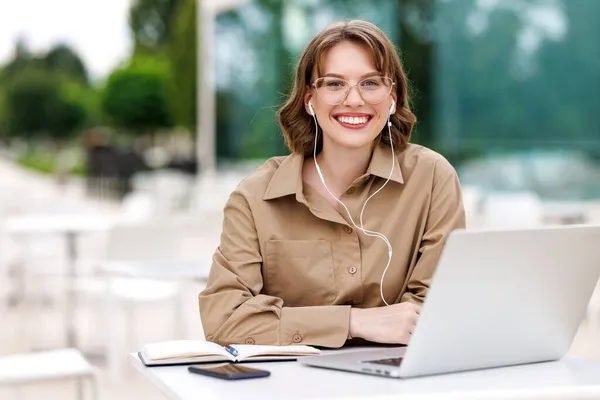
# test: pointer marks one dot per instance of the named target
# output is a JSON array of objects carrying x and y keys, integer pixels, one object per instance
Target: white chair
[
  {"x": 472, "y": 200},
  {"x": 513, "y": 210},
  {"x": 171, "y": 191},
  {"x": 130, "y": 249},
  {"x": 137, "y": 207},
  {"x": 593, "y": 311},
  {"x": 20, "y": 369}
]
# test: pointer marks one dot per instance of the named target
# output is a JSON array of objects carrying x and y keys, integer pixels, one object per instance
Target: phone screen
[{"x": 227, "y": 368}]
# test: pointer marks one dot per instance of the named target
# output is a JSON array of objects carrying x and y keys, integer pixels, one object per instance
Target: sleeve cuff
[{"x": 326, "y": 326}]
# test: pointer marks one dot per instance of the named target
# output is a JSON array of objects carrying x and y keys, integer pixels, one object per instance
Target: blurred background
[{"x": 125, "y": 124}]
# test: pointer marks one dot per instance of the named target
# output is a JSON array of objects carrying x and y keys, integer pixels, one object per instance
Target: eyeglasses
[{"x": 334, "y": 91}]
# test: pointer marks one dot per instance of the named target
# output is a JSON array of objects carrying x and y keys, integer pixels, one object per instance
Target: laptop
[{"x": 497, "y": 298}]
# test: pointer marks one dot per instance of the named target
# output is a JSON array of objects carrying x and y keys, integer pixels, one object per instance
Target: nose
[{"x": 353, "y": 99}]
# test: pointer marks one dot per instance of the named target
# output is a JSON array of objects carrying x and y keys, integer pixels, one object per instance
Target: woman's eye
[
  {"x": 371, "y": 82},
  {"x": 334, "y": 83}
]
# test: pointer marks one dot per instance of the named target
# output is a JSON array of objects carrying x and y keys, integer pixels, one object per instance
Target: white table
[
  {"x": 71, "y": 225},
  {"x": 572, "y": 378},
  {"x": 163, "y": 270}
]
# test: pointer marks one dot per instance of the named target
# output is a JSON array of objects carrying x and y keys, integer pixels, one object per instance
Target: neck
[{"x": 341, "y": 167}]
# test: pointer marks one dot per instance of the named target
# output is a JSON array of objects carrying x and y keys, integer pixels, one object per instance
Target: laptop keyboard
[{"x": 393, "y": 362}]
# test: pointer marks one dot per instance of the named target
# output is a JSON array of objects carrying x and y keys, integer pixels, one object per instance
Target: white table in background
[
  {"x": 572, "y": 378},
  {"x": 71, "y": 226},
  {"x": 162, "y": 270}
]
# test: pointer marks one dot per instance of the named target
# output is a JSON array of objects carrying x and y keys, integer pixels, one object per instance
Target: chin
[
  {"x": 351, "y": 139},
  {"x": 354, "y": 144}
]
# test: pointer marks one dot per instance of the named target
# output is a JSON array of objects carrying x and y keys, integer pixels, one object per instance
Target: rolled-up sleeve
[
  {"x": 446, "y": 213},
  {"x": 233, "y": 308}
]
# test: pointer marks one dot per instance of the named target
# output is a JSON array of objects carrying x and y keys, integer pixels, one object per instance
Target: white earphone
[{"x": 361, "y": 227}]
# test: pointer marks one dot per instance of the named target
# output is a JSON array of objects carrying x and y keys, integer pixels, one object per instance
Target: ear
[
  {"x": 395, "y": 98},
  {"x": 307, "y": 98}
]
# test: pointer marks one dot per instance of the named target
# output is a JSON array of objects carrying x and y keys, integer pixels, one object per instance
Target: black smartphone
[{"x": 228, "y": 371}]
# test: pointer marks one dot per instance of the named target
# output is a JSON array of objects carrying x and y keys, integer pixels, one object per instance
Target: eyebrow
[{"x": 374, "y": 73}]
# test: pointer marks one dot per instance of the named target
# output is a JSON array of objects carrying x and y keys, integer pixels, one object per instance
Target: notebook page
[
  {"x": 182, "y": 349},
  {"x": 250, "y": 350}
]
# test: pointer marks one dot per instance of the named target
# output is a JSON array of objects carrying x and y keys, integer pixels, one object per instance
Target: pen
[{"x": 231, "y": 351}]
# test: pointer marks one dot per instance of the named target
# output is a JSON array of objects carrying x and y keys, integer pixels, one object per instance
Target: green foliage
[
  {"x": 168, "y": 28},
  {"x": 135, "y": 97},
  {"x": 3, "y": 113},
  {"x": 41, "y": 162},
  {"x": 150, "y": 23},
  {"x": 61, "y": 58},
  {"x": 35, "y": 105},
  {"x": 182, "y": 54},
  {"x": 21, "y": 60},
  {"x": 44, "y": 94},
  {"x": 47, "y": 162},
  {"x": 88, "y": 98}
]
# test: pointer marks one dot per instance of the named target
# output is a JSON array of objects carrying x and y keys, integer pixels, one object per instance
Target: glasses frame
[{"x": 350, "y": 87}]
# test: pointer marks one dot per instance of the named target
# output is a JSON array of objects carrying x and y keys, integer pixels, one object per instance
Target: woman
[{"x": 340, "y": 239}]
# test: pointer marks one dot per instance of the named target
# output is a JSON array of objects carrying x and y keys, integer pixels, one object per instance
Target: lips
[{"x": 353, "y": 121}]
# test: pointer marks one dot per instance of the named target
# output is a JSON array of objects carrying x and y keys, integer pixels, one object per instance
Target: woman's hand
[{"x": 389, "y": 324}]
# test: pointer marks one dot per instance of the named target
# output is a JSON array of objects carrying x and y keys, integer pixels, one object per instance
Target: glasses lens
[
  {"x": 334, "y": 90},
  {"x": 375, "y": 89}
]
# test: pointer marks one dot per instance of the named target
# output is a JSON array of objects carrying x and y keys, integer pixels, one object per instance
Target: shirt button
[
  {"x": 352, "y": 270},
  {"x": 297, "y": 338},
  {"x": 348, "y": 229},
  {"x": 350, "y": 191},
  {"x": 249, "y": 341}
]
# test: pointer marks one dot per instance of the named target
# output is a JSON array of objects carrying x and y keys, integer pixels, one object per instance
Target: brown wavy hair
[{"x": 298, "y": 126}]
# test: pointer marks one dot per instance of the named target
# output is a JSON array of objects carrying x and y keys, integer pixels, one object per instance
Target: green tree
[
  {"x": 151, "y": 22},
  {"x": 182, "y": 56},
  {"x": 36, "y": 105},
  {"x": 3, "y": 113},
  {"x": 135, "y": 97},
  {"x": 22, "y": 58},
  {"x": 61, "y": 58}
]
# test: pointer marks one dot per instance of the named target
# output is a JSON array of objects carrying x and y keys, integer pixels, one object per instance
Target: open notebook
[{"x": 182, "y": 352}]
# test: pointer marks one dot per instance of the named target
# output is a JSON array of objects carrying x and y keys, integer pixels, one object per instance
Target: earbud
[
  {"x": 389, "y": 124},
  {"x": 310, "y": 108}
]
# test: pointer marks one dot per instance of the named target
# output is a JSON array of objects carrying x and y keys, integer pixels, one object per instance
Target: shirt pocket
[{"x": 300, "y": 272}]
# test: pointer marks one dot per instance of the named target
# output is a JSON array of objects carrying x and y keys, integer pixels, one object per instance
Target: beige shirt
[{"x": 290, "y": 265}]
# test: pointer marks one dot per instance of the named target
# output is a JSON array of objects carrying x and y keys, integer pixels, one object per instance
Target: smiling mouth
[{"x": 353, "y": 122}]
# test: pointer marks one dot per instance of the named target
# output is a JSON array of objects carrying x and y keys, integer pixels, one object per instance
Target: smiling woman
[{"x": 302, "y": 259}]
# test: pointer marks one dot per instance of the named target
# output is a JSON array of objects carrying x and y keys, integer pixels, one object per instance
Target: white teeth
[{"x": 353, "y": 120}]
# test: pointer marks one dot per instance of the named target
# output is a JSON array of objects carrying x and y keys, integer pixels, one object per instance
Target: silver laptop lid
[{"x": 505, "y": 297}]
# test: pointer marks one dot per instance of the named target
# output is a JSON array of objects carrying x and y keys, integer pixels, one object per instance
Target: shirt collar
[
  {"x": 287, "y": 179},
  {"x": 381, "y": 163}
]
